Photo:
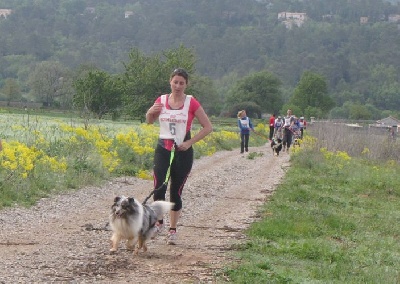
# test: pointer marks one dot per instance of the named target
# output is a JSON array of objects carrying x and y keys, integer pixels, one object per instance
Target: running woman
[{"x": 175, "y": 113}]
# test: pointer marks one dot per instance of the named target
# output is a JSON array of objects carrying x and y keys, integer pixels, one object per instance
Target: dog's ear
[
  {"x": 117, "y": 198},
  {"x": 131, "y": 200}
]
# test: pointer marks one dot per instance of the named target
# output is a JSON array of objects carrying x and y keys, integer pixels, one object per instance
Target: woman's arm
[
  {"x": 204, "y": 131},
  {"x": 153, "y": 112}
]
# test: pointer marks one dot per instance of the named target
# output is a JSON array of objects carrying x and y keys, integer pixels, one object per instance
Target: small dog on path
[
  {"x": 135, "y": 222},
  {"x": 276, "y": 145}
]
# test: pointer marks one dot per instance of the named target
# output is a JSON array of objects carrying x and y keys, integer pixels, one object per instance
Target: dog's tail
[{"x": 161, "y": 207}]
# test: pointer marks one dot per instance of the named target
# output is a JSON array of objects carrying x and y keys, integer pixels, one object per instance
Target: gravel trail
[{"x": 65, "y": 238}]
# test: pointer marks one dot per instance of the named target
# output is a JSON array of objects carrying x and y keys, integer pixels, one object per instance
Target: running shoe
[
  {"x": 172, "y": 237},
  {"x": 158, "y": 228}
]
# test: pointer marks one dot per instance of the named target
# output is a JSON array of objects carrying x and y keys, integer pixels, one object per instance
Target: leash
[
  {"x": 291, "y": 130},
  {"x": 260, "y": 134},
  {"x": 167, "y": 176}
]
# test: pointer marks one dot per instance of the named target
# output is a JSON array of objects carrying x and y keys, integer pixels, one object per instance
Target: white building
[{"x": 289, "y": 19}]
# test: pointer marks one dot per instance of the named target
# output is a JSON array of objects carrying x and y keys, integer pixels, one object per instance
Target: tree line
[
  {"x": 131, "y": 92},
  {"x": 230, "y": 40}
]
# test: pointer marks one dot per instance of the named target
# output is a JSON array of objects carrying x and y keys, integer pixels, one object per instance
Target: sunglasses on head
[{"x": 180, "y": 71}]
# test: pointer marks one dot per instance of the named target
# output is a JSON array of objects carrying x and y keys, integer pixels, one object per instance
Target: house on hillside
[
  {"x": 289, "y": 19},
  {"x": 292, "y": 16},
  {"x": 364, "y": 20},
  {"x": 5, "y": 12},
  {"x": 128, "y": 14},
  {"x": 394, "y": 18},
  {"x": 387, "y": 123}
]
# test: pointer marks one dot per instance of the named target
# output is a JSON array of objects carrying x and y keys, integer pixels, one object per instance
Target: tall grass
[
  {"x": 334, "y": 219},
  {"x": 364, "y": 142}
]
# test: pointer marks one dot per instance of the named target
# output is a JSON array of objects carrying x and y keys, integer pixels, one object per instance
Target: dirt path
[{"x": 65, "y": 239}]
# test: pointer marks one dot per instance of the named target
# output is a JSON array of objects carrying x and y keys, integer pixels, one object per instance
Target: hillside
[{"x": 354, "y": 44}]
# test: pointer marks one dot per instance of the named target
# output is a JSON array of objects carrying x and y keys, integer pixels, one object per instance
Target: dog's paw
[{"x": 113, "y": 250}]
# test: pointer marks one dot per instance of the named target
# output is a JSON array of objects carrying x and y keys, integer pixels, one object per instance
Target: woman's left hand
[{"x": 184, "y": 146}]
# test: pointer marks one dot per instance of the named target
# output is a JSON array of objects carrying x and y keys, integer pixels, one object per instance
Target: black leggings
[
  {"x": 244, "y": 142},
  {"x": 180, "y": 169},
  {"x": 287, "y": 137},
  {"x": 271, "y": 132}
]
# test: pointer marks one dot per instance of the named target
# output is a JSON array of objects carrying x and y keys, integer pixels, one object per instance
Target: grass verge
[{"x": 334, "y": 219}]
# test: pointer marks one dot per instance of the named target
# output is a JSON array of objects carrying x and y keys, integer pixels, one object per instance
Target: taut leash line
[{"x": 167, "y": 176}]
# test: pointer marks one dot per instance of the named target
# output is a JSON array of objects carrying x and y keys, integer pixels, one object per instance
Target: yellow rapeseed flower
[
  {"x": 143, "y": 174},
  {"x": 342, "y": 155},
  {"x": 365, "y": 151}
]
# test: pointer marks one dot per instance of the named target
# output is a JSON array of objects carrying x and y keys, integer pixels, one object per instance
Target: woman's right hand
[
  {"x": 155, "y": 109},
  {"x": 153, "y": 112}
]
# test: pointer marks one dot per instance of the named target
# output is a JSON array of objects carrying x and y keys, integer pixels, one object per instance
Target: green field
[{"x": 334, "y": 219}]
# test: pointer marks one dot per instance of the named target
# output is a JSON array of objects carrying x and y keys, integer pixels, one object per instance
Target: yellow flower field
[{"x": 41, "y": 154}]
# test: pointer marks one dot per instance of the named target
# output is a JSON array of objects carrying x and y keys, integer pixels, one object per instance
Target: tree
[
  {"x": 46, "y": 82},
  {"x": 202, "y": 88},
  {"x": 384, "y": 87},
  {"x": 295, "y": 110},
  {"x": 252, "y": 109},
  {"x": 261, "y": 88},
  {"x": 98, "y": 93},
  {"x": 147, "y": 77},
  {"x": 73, "y": 7},
  {"x": 312, "y": 91},
  {"x": 11, "y": 90},
  {"x": 65, "y": 93},
  {"x": 358, "y": 112}
]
